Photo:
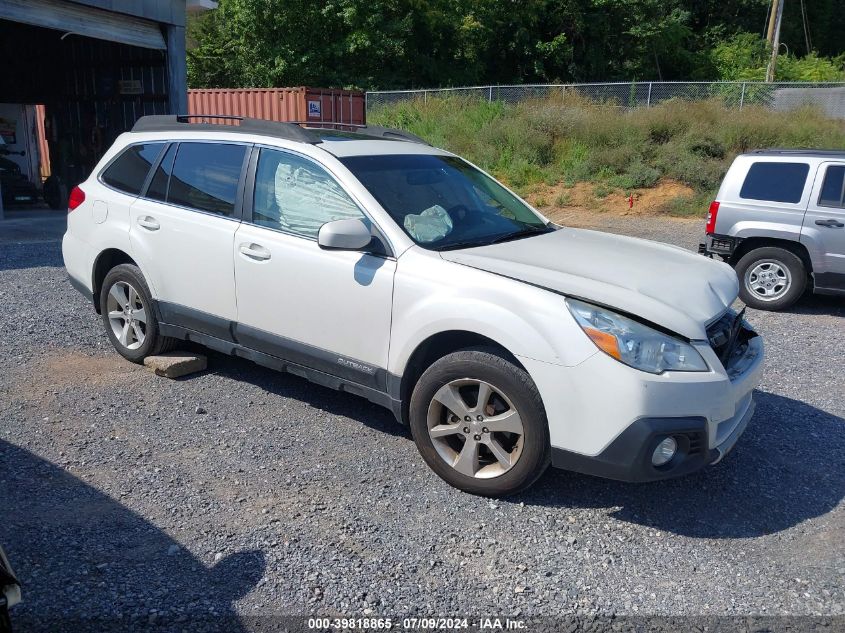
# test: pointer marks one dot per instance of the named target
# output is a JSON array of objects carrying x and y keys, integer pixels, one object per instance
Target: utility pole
[{"x": 773, "y": 37}]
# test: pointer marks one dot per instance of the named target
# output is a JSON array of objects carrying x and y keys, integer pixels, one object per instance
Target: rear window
[
  {"x": 775, "y": 182},
  {"x": 205, "y": 176},
  {"x": 129, "y": 170},
  {"x": 833, "y": 188}
]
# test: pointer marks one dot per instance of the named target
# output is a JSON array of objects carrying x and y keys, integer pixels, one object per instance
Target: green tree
[{"x": 429, "y": 43}]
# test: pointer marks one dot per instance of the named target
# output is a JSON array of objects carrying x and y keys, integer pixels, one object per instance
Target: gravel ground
[{"x": 244, "y": 492}]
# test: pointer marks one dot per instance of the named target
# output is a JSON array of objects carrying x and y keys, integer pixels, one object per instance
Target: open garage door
[
  {"x": 92, "y": 89},
  {"x": 87, "y": 21}
]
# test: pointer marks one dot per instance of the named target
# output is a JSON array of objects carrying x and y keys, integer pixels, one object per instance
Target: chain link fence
[{"x": 829, "y": 97}]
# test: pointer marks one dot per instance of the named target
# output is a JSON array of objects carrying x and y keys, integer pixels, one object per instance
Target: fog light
[{"x": 664, "y": 452}]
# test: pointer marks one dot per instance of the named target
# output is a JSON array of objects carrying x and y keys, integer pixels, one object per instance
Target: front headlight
[{"x": 633, "y": 343}]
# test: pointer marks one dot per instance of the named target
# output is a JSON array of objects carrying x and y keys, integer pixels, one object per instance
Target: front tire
[
  {"x": 478, "y": 421},
  {"x": 771, "y": 278},
  {"x": 126, "y": 306}
]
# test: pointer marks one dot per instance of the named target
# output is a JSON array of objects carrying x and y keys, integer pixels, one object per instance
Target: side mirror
[{"x": 344, "y": 235}]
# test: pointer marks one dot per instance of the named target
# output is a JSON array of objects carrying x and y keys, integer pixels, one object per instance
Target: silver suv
[{"x": 779, "y": 220}]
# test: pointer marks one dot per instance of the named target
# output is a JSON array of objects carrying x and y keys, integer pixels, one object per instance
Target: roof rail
[
  {"x": 788, "y": 151},
  {"x": 370, "y": 130},
  {"x": 182, "y": 122}
]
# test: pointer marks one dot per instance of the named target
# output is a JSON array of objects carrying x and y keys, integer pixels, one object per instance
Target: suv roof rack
[
  {"x": 378, "y": 131},
  {"x": 182, "y": 122},
  {"x": 290, "y": 130},
  {"x": 790, "y": 151}
]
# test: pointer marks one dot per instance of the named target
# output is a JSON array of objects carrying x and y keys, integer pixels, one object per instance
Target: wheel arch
[
  {"x": 103, "y": 263},
  {"x": 752, "y": 243},
  {"x": 435, "y": 347}
]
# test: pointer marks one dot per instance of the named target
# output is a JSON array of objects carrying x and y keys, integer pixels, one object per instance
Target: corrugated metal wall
[
  {"x": 90, "y": 22},
  {"x": 107, "y": 87},
  {"x": 281, "y": 104},
  {"x": 92, "y": 91}
]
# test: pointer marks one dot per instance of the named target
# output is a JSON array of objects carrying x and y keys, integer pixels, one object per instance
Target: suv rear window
[
  {"x": 775, "y": 182},
  {"x": 129, "y": 170}
]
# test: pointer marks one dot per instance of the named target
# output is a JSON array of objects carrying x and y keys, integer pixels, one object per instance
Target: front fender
[{"x": 432, "y": 296}]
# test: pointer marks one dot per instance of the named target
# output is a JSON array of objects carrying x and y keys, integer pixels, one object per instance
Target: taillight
[
  {"x": 711, "y": 218},
  {"x": 77, "y": 197}
]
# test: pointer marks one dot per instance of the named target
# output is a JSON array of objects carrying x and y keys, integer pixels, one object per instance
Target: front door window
[{"x": 294, "y": 195}]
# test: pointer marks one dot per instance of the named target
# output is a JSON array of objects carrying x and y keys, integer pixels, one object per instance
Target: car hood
[{"x": 664, "y": 284}]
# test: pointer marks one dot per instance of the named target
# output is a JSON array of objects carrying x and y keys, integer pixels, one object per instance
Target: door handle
[
  {"x": 149, "y": 223},
  {"x": 255, "y": 251},
  {"x": 830, "y": 223}
]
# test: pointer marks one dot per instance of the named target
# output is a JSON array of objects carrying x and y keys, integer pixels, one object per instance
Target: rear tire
[
  {"x": 771, "y": 278},
  {"x": 495, "y": 447},
  {"x": 55, "y": 194},
  {"x": 129, "y": 315}
]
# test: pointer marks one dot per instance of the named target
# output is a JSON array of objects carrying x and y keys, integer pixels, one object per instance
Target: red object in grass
[
  {"x": 711, "y": 218},
  {"x": 77, "y": 197},
  {"x": 631, "y": 201}
]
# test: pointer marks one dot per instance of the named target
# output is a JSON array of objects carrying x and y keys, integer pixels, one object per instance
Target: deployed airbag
[{"x": 430, "y": 225}]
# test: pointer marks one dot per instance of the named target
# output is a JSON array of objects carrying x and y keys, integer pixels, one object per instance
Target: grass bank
[{"x": 543, "y": 148}]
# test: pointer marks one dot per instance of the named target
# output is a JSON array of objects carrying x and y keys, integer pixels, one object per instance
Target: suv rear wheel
[
  {"x": 771, "y": 278},
  {"x": 128, "y": 315},
  {"x": 479, "y": 423}
]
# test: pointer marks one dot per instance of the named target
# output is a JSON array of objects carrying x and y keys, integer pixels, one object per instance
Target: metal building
[{"x": 96, "y": 66}]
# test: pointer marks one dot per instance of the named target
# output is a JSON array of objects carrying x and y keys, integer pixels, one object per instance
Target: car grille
[
  {"x": 719, "y": 332},
  {"x": 729, "y": 335},
  {"x": 697, "y": 442}
]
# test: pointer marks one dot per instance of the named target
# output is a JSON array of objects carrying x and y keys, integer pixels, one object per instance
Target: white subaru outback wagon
[{"x": 368, "y": 261}]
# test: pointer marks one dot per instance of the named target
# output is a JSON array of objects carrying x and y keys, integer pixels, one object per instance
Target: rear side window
[
  {"x": 833, "y": 188},
  {"x": 775, "y": 182},
  {"x": 205, "y": 176},
  {"x": 158, "y": 185},
  {"x": 128, "y": 171}
]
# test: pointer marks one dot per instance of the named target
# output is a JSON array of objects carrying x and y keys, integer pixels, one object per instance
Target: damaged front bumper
[{"x": 704, "y": 414}]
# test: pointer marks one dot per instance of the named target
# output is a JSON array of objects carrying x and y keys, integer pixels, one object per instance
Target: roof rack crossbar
[
  {"x": 185, "y": 118},
  {"x": 181, "y": 122},
  {"x": 370, "y": 130},
  {"x": 291, "y": 130}
]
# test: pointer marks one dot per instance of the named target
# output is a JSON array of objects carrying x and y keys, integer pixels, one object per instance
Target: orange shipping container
[{"x": 282, "y": 104}]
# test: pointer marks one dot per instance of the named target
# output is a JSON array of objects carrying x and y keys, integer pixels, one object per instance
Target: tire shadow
[
  {"x": 87, "y": 563},
  {"x": 287, "y": 385},
  {"x": 20, "y": 256},
  {"x": 788, "y": 467},
  {"x": 810, "y": 303}
]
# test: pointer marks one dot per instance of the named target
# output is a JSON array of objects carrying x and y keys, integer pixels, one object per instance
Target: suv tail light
[
  {"x": 77, "y": 197},
  {"x": 711, "y": 218}
]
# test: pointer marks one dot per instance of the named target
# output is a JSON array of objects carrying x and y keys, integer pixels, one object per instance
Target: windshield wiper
[
  {"x": 484, "y": 241},
  {"x": 467, "y": 244},
  {"x": 525, "y": 232}
]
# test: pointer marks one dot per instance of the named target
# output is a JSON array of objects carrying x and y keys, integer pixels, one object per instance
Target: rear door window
[
  {"x": 128, "y": 172},
  {"x": 833, "y": 188},
  {"x": 205, "y": 177},
  {"x": 775, "y": 182},
  {"x": 161, "y": 180}
]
